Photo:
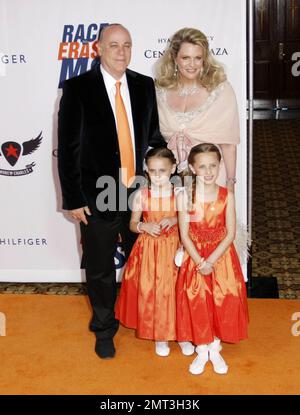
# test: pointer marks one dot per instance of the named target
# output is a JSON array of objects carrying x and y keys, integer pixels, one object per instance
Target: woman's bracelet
[
  {"x": 138, "y": 227},
  {"x": 231, "y": 179}
]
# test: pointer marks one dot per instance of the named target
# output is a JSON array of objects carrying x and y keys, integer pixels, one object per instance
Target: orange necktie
[{"x": 124, "y": 137}]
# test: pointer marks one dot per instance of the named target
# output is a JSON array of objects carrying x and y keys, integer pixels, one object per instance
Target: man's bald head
[
  {"x": 109, "y": 27},
  {"x": 114, "y": 48}
]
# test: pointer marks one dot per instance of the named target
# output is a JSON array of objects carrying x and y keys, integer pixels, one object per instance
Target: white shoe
[
  {"x": 187, "y": 348},
  {"x": 216, "y": 359},
  {"x": 162, "y": 348},
  {"x": 198, "y": 365}
]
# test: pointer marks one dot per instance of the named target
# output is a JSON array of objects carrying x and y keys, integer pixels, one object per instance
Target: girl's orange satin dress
[
  {"x": 212, "y": 305},
  {"x": 147, "y": 296}
]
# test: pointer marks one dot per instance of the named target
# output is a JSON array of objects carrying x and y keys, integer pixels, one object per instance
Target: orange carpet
[{"x": 48, "y": 350}]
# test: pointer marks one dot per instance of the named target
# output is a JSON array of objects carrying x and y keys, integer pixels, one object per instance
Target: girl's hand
[
  {"x": 152, "y": 228},
  {"x": 167, "y": 223},
  {"x": 204, "y": 268}
]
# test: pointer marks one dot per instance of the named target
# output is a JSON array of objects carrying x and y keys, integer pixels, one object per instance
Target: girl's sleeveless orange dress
[
  {"x": 212, "y": 305},
  {"x": 147, "y": 296}
]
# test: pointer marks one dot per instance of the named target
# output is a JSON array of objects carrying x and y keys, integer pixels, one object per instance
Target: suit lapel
[{"x": 101, "y": 97}]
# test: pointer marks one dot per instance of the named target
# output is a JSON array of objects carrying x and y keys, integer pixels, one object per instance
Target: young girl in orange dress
[
  {"x": 211, "y": 293},
  {"x": 147, "y": 297}
]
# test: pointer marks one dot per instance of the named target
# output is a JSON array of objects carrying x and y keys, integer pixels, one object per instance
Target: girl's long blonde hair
[
  {"x": 190, "y": 185},
  {"x": 166, "y": 76}
]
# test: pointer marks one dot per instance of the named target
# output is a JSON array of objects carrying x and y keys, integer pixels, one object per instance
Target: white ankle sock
[
  {"x": 216, "y": 359},
  {"x": 187, "y": 348},
  {"x": 198, "y": 365},
  {"x": 162, "y": 348}
]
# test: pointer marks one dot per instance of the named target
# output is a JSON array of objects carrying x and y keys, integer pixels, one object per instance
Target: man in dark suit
[{"x": 90, "y": 146}]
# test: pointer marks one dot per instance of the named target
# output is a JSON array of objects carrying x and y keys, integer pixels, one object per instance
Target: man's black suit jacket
[{"x": 87, "y": 135}]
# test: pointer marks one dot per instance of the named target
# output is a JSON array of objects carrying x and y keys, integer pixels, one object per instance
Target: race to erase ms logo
[
  {"x": 77, "y": 47},
  {"x": 16, "y": 152}
]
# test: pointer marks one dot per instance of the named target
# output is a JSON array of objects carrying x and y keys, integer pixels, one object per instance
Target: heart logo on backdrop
[{"x": 11, "y": 151}]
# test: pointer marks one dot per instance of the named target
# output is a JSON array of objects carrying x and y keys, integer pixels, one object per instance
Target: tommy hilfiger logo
[{"x": 12, "y": 151}]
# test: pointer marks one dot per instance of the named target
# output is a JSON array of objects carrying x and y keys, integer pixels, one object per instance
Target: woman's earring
[
  {"x": 201, "y": 72},
  {"x": 175, "y": 71}
]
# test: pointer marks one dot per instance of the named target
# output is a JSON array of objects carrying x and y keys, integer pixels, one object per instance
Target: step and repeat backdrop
[{"x": 42, "y": 44}]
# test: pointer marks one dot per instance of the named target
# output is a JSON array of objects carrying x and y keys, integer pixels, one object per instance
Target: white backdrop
[{"x": 43, "y": 42}]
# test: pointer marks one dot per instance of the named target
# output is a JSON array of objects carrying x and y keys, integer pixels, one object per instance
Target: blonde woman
[{"x": 196, "y": 103}]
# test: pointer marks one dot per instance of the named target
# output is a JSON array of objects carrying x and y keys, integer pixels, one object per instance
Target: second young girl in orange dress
[
  {"x": 211, "y": 292},
  {"x": 147, "y": 297}
]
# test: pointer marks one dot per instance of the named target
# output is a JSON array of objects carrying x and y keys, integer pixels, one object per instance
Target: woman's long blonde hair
[{"x": 213, "y": 72}]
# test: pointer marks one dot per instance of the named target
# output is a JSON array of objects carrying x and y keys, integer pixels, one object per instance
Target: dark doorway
[{"x": 277, "y": 54}]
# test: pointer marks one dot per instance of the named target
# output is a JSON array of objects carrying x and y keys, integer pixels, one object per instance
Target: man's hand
[{"x": 79, "y": 214}]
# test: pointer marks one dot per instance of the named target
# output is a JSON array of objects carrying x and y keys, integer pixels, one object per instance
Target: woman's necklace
[{"x": 188, "y": 90}]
